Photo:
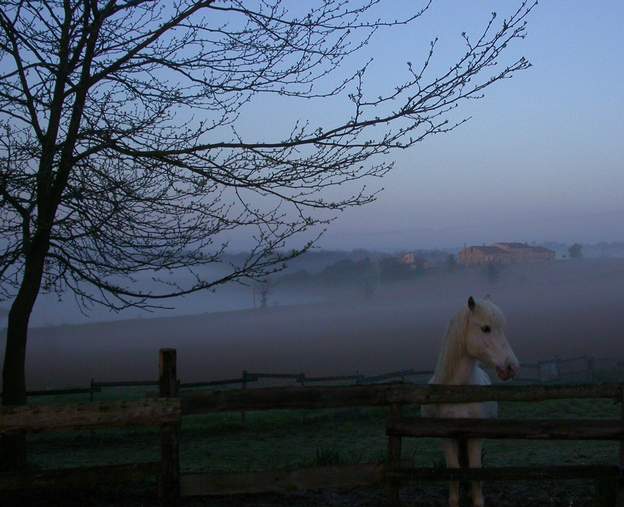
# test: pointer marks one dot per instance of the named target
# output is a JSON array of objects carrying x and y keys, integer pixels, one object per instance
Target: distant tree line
[
  {"x": 364, "y": 273},
  {"x": 575, "y": 251}
]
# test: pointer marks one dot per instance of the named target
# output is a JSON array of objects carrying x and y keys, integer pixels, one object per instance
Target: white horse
[{"x": 475, "y": 335}]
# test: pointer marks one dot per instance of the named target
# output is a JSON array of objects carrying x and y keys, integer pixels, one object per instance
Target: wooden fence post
[
  {"x": 91, "y": 392},
  {"x": 540, "y": 377},
  {"x": 169, "y": 484},
  {"x": 610, "y": 492},
  {"x": 590, "y": 368},
  {"x": 244, "y": 386},
  {"x": 619, "y": 489},
  {"x": 394, "y": 460}
]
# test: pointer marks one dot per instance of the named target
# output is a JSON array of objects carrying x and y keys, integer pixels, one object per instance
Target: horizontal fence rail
[
  {"x": 89, "y": 415},
  {"x": 547, "y": 371},
  {"x": 528, "y": 429},
  {"x": 293, "y": 376},
  {"x": 540, "y": 473},
  {"x": 79, "y": 478},
  {"x": 334, "y": 378},
  {"x": 232, "y": 483},
  {"x": 212, "y": 383},
  {"x": 392, "y": 375},
  {"x": 379, "y": 395},
  {"x": 125, "y": 383},
  {"x": 64, "y": 391}
]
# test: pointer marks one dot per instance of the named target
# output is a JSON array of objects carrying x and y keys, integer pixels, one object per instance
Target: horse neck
[{"x": 454, "y": 365}]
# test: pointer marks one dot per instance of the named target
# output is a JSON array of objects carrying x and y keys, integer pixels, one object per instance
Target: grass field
[
  {"x": 271, "y": 440},
  {"x": 291, "y": 439}
]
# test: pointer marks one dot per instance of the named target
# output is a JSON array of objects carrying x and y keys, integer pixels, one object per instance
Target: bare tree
[
  {"x": 264, "y": 289},
  {"x": 575, "y": 251},
  {"x": 122, "y": 151}
]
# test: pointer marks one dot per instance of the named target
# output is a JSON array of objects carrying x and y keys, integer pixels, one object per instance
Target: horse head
[{"x": 486, "y": 340}]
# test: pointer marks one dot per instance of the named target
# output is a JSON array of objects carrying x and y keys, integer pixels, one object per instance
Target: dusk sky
[
  {"x": 281, "y": 208},
  {"x": 541, "y": 158}
]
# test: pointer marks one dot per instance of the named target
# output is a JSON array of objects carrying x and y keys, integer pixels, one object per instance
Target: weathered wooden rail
[
  {"x": 167, "y": 411},
  {"x": 164, "y": 412},
  {"x": 80, "y": 478},
  {"x": 544, "y": 371},
  {"x": 509, "y": 473},
  {"x": 339, "y": 476},
  {"x": 273, "y": 398},
  {"x": 529, "y": 429},
  {"x": 609, "y": 489},
  {"x": 89, "y": 415}
]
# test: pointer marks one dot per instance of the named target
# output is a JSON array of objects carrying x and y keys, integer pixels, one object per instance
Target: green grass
[
  {"x": 271, "y": 440},
  {"x": 107, "y": 394},
  {"x": 292, "y": 439}
]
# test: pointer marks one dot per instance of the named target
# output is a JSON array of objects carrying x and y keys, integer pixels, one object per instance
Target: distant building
[
  {"x": 477, "y": 255},
  {"x": 414, "y": 261},
  {"x": 504, "y": 253},
  {"x": 522, "y": 252}
]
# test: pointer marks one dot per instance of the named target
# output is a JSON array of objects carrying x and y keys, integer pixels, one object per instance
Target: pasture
[
  {"x": 286, "y": 440},
  {"x": 400, "y": 328},
  {"x": 565, "y": 309}
]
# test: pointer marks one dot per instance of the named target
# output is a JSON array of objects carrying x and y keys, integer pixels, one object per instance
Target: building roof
[
  {"x": 513, "y": 244},
  {"x": 542, "y": 249},
  {"x": 488, "y": 249},
  {"x": 507, "y": 248},
  {"x": 523, "y": 246}
]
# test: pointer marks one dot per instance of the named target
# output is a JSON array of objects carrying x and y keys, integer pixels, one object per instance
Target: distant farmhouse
[
  {"x": 414, "y": 261},
  {"x": 504, "y": 253},
  {"x": 424, "y": 259}
]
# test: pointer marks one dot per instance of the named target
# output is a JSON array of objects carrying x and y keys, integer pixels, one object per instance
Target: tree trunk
[
  {"x": 13, "y": 373},
  {"x": 13, "y": 447}
]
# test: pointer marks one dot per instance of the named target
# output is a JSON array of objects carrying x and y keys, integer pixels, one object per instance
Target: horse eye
[{"x": 486, "y": 329}]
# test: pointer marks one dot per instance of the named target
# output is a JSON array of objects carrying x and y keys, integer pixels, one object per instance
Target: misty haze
[{"x": 338, "y": 313}]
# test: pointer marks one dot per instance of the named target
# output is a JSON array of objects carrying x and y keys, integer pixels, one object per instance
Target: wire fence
[{"x": 556, "y": 370}]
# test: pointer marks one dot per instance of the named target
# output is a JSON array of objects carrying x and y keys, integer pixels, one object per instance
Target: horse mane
[
  {"x": 454, "y": 342},
  {"x": 452, "y": 348}
]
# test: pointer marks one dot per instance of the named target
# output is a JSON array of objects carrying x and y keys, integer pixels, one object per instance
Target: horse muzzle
[{"x": 508, "y": 372}]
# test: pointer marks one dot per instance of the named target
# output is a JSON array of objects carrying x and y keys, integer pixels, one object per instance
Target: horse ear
[{"x": 471, "y": 303}]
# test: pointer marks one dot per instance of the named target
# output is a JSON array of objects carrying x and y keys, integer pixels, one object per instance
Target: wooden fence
[
  {"x": 166, "y": 412},
  {"x": 582, "y": 368}
]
